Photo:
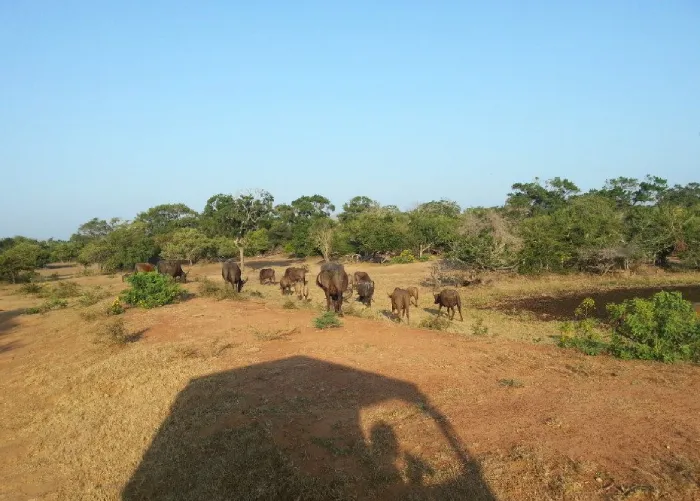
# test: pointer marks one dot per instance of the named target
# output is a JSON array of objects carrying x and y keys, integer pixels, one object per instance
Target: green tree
[
  {"x": 21, "y": 257},
  {"x": 379, "y": 231},
  {"x": 167, "y": 218},
  {"x": 533, "y": 198},
  {"x": 431, "y": 228},
  {"x": 235, "y": 217},
  {"x": 187, "y": 243},
  {"x": 356, "y": 206}
]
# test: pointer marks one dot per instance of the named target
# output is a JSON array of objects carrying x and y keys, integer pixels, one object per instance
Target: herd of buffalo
[{"x": 332, "y": 278}]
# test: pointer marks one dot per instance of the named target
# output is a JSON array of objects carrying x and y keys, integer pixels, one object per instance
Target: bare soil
[{"x": 244, "y": 399}]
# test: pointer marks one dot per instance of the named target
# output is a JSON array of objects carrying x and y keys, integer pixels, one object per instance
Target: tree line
[{"x": 549, "y": 226}]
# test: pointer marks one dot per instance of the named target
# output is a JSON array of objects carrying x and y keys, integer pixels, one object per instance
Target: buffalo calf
[
  {"x": 449, "y": 298},
  {"x": 401, "y": 303},
  {"x": 365, "y": 291},
  {"x": 267, "y": 275},
  {"x": 413, "y": 291}
]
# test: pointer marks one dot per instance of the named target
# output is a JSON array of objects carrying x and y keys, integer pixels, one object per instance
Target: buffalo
[
  {"x": 295, "y": 274},
  {"x": 449, "y": 298},
  {"x": 286, "y": 285},
  {"x": 267, "y": 274},
  {"x": 401, "y": 303},
  {"x": 173, "y": 269},
  {"x": 334, "y": 281},
  {"x": 413, "y": 291},
  {"x": 144, "y": 267},
  {"x": 365, "y": 291},
  {"x": 301, "y": 290},
  {"x": 231, "y": 273},
  {"x": 361, "y": 276},
  {"x": 351, "y": 282}
]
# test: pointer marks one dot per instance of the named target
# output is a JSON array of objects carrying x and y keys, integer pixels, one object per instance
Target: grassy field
[{"x": 244, "y": 399}]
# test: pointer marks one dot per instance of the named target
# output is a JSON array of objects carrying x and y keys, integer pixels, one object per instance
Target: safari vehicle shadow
[
  {"x": 7, "y": 319},
  {"x": 291, "y": 430}
]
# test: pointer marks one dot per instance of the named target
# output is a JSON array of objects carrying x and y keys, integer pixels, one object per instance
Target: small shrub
[
  {"x": 479, "y": 329},
  {"x": 62, "y": 290},
  {"x": 583, "y": 333},
  {"x": 115, "y": 332},
  {"x": 209, "y": 288},
  {"x": 664, "y": 327},
  {"x": 92, "y": 296},
  {"x": 405, "y": 257},
  {"x": 255, "y": 294},
  {"x": 115, "y": 308},
  {"x": 424, "y": 258},
  {"x": 327, "y": 320},
  {"x": 87, "y": 272},
  {"x": 289, "y": 305},
  {"x": 30, "y": 288},
  {"x": 150, "y": 290},
  {"x": 48, "y": 305},
  {"x": 436, "y": 323},
  {"x": 510, "y": 383}
]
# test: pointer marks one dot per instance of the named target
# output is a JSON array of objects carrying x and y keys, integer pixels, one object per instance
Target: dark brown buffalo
[
  {"x": 365, "y": 292},
  {"x": 361, "y": 276},
  {"x": 231, "y": 273},
  {"x": 173, "y": 269},
  {"x": 334, "y": 281},
  {"x": 449, "y": 298},
  {"x": 144, "y": 268},
  {"x": 401, "y": 303},
  {"x": 286, "y": 285},
  {"x": 413, "y": 291},
  {"x": 267, "y": 275},
  {"x": 295, "y": 274}
]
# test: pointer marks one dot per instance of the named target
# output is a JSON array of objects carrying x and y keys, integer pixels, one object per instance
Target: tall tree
[
  {"x": 356, "y": 206},
  {"x": 234, "y": 217},
  {"x": 166, "y": 218}
]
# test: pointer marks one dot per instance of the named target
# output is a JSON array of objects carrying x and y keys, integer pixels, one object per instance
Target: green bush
[
  {"x": 30, "y": 288},
  {"x": 583, "y": 334},
  {"x": 92, "y": 296},
  {"x": 664, "y": 328},
  {"x": 327, "y": 320},
  {"x": 405, "y": 257},
  {"x": 150, "y": 290}
]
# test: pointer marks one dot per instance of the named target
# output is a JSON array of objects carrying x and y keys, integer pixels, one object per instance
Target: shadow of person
[{"x": 291, "y": 429}]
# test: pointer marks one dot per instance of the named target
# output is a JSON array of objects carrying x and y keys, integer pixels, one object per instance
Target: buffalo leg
[{"x": 459, "y": 307}]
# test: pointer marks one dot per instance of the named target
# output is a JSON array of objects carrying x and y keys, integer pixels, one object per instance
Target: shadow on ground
[
  {"x": 291, "y": 430},
  {"x": 7, "y": 319}
]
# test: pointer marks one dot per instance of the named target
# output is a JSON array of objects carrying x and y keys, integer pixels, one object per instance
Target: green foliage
[
  {"x": 188, "y": 243},
  {"x": 150, "y": 290},
  {"x": 405, "y": 257},
  {"x": 257, "y": 242},
  {"x": 168, "y": 218},
  {"x": 30, "y": 288},
  {"x": 20, "y": 257},
  {"x": 664, "y": 328},
  {"x": 583, "y": 334},
  {"x": 92, "y": 296},
  {"x": 115, "y": 308},
  {"x": 327, "y": 320}
]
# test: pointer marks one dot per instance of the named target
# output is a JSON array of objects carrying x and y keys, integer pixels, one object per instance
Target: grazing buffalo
[
  {"x": 361, "y": 276},
  {"x": 401, "y": 303},
  {"x": 365, "y": 291},
  {"x": 267, "y": 275},
  {"x": 413, "y": 291},
  {"x": 449, "y": 298},
  {"x": 334, "y": 281},
  {"x": 231, "y": 273},
  {"x": 286, "y": 285},
  {"x": 144, "y": 267},
  {"x": 295, "y": 274},
  {"x": 173, "y": 269},
  {"x": 301, "y": 290}
]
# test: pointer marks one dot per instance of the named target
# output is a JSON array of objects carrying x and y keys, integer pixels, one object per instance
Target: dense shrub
[
  {"x": 327, "y": 320},
  {"x": 664, "y": 328},
  {"x": 405, "y": 257},
  {"x": 149, "y": 290}
]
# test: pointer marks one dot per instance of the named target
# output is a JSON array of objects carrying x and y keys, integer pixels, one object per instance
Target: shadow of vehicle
[
  {"x": 291, "y": 429},
  {"x": 7, "y": 319}
]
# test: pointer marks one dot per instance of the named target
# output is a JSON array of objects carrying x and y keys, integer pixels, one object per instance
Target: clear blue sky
[{"x": 109, "y": 108}]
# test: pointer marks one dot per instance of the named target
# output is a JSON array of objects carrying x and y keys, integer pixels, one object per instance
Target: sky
[{"x": 109, "y": 108}]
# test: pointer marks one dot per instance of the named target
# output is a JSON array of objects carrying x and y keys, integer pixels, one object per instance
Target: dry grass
[{"x": 246, "y": 400}]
